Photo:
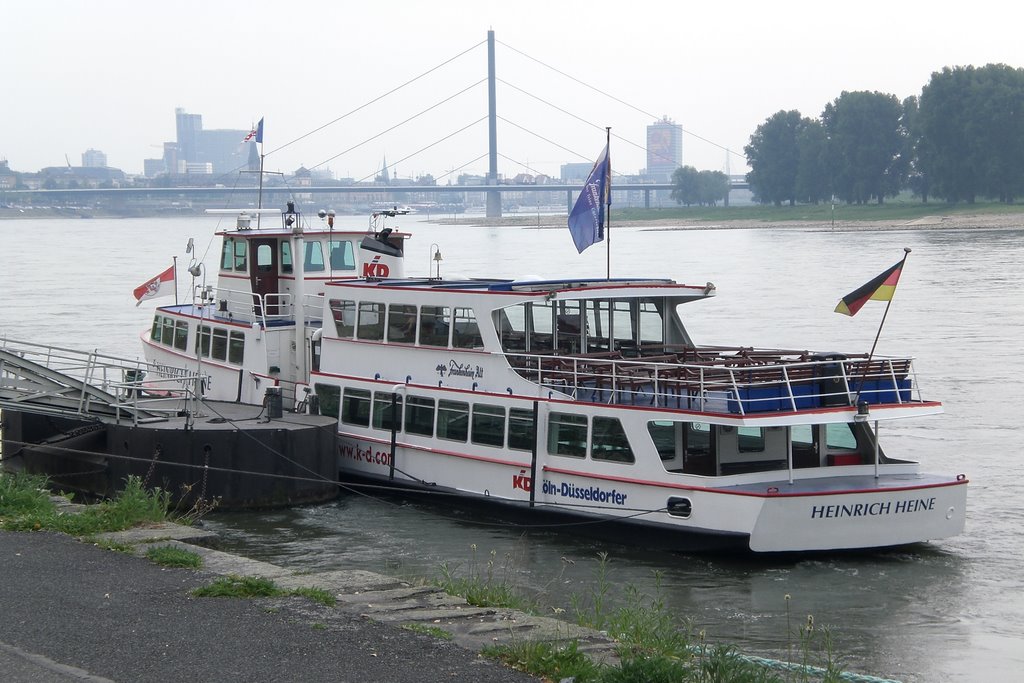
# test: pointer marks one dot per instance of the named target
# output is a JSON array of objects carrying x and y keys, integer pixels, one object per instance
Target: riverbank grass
[
  {"x": 654, "y": 644},
  {"x": 26, "y": 505}
]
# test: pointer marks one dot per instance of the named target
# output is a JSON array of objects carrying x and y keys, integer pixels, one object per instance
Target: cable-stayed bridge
[{"x": 493, "y": 188}]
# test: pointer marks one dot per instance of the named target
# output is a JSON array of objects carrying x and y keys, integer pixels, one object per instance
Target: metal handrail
[{"x": 738, "y": 382}]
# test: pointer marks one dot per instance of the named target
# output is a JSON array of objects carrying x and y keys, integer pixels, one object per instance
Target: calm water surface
[{"x": 945, "y": 611}]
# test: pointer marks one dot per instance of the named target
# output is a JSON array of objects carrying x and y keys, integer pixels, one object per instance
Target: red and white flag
[{"x": 161, "y": 285}]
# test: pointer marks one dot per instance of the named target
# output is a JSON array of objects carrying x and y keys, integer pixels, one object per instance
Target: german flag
[{"x": 880, "y": 288}]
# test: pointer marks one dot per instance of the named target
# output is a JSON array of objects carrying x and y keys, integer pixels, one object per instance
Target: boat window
[
  {"x": 610, "y": 442},
  {"x": 567, "y": 435},
  {"x": 314, "y": 262},
  {"x": 219, "y": 348},
  {"x": 598, "y": 323},
  {"x": 452, "y": 420},
  {"x": 342, "y": 255},
  {"x": 236, "y": 347},
  {"x": 344, "y": 313},
  {"x": 401, "y": 324},
  {"x": 355, "y": 407},
  {"x": 240, "y": 255},
  {"x": 180, "y": 334},
  {"x": 683, "y": 446},
  {"x": 434, "y": 324},
  {"x": 419, "y": 416},
  {"x": 541, "y": 328},
  {"x": 805, "y": 451},
  {"x": 264, "y": 258},
  {"x": 329, "y": 397},
  {"x": 489, "y": 425},
  {"x": 751, "y": 439},
  {"x": 383, "y": 417},
  {"x": 371, "y": 321},
  {"x": 521, "y": 429},
  {"x": 622, "y": 327},
  {"x": 652, "y": 327},
  {"x": 227, "y": 255},
  {"x": 570, "y": 327},
  {"x": 839, "y": 436},
  {"x": 167, "y": 331},
  {"x": 286, "y": 256},
  {"x": 157, "y": 326},
  {"x": 511, "y": 325},
  {"x": 466, "y": 332},
  {"x": 203, "y": 340}
]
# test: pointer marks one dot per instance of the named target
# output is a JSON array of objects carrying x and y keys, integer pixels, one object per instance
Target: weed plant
[
  {"x": 432, "y": 631},
  {"x": 170, "y": 556},
  {"x": 485, "y": 585},
  {"x": 233, "y": 586}
]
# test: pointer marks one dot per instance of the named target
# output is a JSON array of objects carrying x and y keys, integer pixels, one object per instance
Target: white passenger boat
[
  {"x": 242, "y": 334},
  {"x": 581, "y": 398}
]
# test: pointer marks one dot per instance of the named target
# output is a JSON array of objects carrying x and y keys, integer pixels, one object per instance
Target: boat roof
[{"x": 576, "y": 286}]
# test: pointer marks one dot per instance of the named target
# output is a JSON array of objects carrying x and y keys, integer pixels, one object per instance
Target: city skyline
[{"x": 717, "y": 72}]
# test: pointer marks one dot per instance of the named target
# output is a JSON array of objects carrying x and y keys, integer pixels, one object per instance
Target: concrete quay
[{"x": 73, "y": 611}]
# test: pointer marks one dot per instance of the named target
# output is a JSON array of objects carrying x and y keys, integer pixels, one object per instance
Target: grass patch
[
  {"x": 170, "y": 556},
  {"x": 432, "y": 631},
  {"x": 233, "y": 586},
  {"x": 655, "y": 646},
  {"x": 25, "y": 505},
  {"x": 550, "y": 661}
]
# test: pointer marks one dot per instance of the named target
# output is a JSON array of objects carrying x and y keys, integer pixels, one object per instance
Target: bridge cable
[
  {"x": 580, "y": 119},
  {"x": 377, "y": 99},
  {"x": 401, "y": 123},
  {"x": 613, "y": 97},
  {"x": 423, "y": 149}
]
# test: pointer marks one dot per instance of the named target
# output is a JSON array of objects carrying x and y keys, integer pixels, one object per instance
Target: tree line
[{"x": 961, "y": 140}]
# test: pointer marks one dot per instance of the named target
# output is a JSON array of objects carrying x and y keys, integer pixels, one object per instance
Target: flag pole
[
  {"x": 863, "y": 376},
  {"x": 175, "y": 279},
  {"x": 608, "y": 204}
]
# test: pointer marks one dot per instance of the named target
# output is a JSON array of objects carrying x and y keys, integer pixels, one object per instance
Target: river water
[{"x": 945, "y": 611}]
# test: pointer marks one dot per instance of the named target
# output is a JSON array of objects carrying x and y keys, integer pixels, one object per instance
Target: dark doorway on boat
[{"x": 263, "y": 256}]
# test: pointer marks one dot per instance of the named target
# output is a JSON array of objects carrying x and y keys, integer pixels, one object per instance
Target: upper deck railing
[
  {"x": 725, "y": 380},
  {"x": 266, "y": 309}
]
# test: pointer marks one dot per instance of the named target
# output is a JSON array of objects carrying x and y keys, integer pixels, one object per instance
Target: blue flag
[
  {"x": 586, "y": 220},
  {"x": 256, "y": 133}
]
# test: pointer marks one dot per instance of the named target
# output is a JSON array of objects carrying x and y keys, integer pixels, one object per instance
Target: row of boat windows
[
  {"x": 339, "y": 255},
  {"x": 441, "y": 326},
  {"x": 690, "y": 447},
  {"x": 216, "y": 343},
  {"x": 587, "y": 326},
  {"x": 478, "y": 423}
]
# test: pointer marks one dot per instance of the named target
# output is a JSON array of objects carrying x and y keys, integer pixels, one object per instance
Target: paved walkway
[{"x": 71, "y": 611}]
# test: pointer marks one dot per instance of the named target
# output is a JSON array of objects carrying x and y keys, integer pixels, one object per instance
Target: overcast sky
[{"x": 108, "y": 74}]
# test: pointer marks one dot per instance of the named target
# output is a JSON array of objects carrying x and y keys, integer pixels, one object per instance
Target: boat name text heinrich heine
[{"x": 872, "y": 509}]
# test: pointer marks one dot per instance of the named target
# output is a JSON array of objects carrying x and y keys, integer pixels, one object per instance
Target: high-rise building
[
  {"x": 222, "y": 150},
  {"x": 664, "y": 149},
  {"x": 93, "y": 158}
]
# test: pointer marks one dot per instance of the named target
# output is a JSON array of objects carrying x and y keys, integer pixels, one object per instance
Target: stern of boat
[{"x": 873, "y": 516}]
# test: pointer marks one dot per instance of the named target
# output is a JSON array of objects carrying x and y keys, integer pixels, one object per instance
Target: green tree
[
  {"x": 714, "y": 186},
  {"x": 866, "y": 139},
  {"x": 686, "y": 181},
  {"x": 813, "y": 174},
  {"x": 774, "y": 158}
]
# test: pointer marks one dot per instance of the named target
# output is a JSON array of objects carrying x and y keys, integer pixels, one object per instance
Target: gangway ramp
[{"x": 65, "y": 382}]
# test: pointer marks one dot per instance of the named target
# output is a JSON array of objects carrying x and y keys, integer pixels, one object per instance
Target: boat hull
[{"x": 851, "y": 512}]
